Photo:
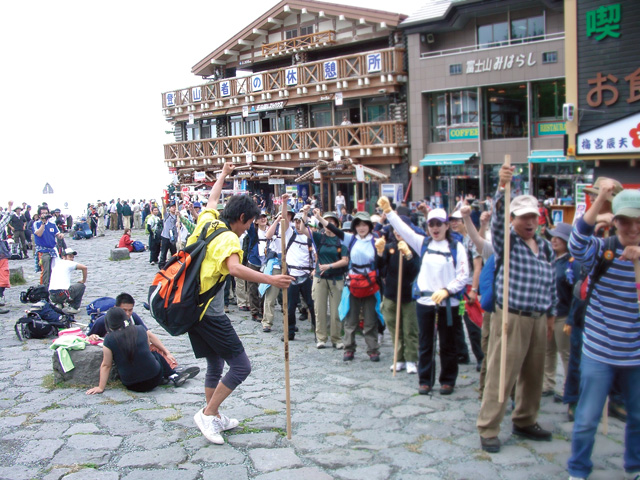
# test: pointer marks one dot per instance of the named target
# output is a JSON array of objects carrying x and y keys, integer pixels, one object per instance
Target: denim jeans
[{"x": 596, "y": 379}]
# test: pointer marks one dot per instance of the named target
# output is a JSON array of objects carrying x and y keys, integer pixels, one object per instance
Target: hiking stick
[
  {"x": 505, "y": 285},
  {"x": 636, "y": 268},
  {"x": 396, "y": 343},
  {"x": 285, "y": 315}
]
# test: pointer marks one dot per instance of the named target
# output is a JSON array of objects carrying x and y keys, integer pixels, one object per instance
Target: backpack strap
[
  {"x": 206, "y": 297},
  {"x": 602, "y": 266}
]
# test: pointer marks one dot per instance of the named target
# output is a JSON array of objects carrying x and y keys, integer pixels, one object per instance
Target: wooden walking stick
[
  {"x": 505, "y": 285},
  {"x": 285, "y": 315},
  {"x": 396, "y": 343}
]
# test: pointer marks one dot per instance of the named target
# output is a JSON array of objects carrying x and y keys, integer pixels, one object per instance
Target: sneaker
[
  {"x": 321, "y": 345},
  {"x": 412, "y": 367},
  {"x": 211, "y": 426},
  {"x": 266, "y": 329},
  {"x": 399, "y": 366},
  {"x": 178, "y": 379},
  {"x": 491, "y": 444},
  {"x": 339, "y": 346},
  {"x": 374, "y": 357},
  {"x": 533, "y": 432},
  {"x": 70, "y": 310},
  {"x": 256, "y": 318},
  {"x": 348, "y": 356}
]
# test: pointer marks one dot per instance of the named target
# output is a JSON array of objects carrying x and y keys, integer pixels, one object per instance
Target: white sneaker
[
  {"x": 399, "y": 366},
  {"x": 412, "y": 367},
  {"x": 211, "y": 426},
  {"x": 321, "y": 345},
  {"x": 339, "y": 346}
]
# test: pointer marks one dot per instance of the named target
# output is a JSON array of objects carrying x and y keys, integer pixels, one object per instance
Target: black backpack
[
  {"x": 33, "y": 325},
  {"x": 35, "y": 294}
]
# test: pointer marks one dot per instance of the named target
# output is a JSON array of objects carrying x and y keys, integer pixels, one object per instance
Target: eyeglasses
[{"x": 434, "y": 223}]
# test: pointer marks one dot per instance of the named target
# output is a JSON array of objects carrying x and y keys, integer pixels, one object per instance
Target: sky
[{"x": 82, "y": 86}]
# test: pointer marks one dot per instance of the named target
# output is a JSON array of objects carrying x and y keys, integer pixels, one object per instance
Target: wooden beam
[{"x": 259, "y": 31}]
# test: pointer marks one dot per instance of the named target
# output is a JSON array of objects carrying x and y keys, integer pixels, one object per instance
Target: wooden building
[{"x": 304, "y": 82}]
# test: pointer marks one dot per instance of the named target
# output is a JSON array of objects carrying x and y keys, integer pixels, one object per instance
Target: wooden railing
[
  {"x": 359, "y": 139},
  {"x": 350, "y": 67},
  {"x": 303, "y": 42}
]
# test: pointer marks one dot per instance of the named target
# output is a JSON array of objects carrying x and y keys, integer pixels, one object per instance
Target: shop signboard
[
  {"x": 608, "y": 66},
  {"x": 621, "y": 136},
  {"x": 550, "y": 128},
  {"x": 463, "y": 133},
  {"x": 393, "y": 191},
  {"x": 581, "y": 196}
]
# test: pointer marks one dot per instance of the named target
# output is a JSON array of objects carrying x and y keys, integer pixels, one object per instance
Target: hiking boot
[
  {"x": 321, "y": 345},
  {"x": 374, "y": 357},
  {"x": 424, "y": 389},
  {"x": 212, "y": 426},
  {"x": 292, "y": 336},
  {"x": 266, "y": 329},
  {"x": 256, "y": 318},
  {"x": 348, "y": 356},
  {"x": 70, "y": 310},
  {"x": 446, "y": 389},
  {"x": 178, "y": 379},
  {"x": 617, "y": 410},
  {"x": 491, "y": 444},
  {"x": 412, "y": 367},
  {"x": 304, "y": 314},
  {"x": 533, "y": 432},
  {"x": 399, "y": 366}
]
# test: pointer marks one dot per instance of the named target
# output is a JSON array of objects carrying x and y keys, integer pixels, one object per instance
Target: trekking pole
[
  {"x": 396, "y": 344},
  {"x": 285, "y": 315},
  {"x": 636, "y": 268},
  {"x": 505, "y": 285}
]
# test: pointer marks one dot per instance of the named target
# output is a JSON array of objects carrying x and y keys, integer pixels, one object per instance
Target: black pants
[
  {"x": 293, "y": 298},
  {"x": 166, "y": 245},
  {"x": 475, "y": 338},
  {"x": 426, "y": 348},
  {"x": 148, "y": 385},
  {"x": 154, "y": 248}
]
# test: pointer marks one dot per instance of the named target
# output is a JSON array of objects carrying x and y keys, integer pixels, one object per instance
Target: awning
[
  {"x": 441, "y": 159},
  {"x": 550, "y": 156}
]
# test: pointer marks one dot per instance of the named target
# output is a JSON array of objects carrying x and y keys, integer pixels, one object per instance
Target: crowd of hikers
[{"x": 432, "y": 278}]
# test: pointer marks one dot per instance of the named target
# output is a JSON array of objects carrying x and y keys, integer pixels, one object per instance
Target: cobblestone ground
[{"x": 350, "y": 420}]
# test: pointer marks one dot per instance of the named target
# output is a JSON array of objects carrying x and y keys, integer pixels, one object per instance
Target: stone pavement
[{"x": 350, "y": 420}]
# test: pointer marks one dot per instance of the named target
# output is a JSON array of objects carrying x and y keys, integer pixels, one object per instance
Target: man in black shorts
[{"x": 213, "y": 337}]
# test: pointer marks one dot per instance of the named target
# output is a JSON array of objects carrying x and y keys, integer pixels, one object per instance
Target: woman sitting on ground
[
  {"x": 125, "y": 240},
  {"x": 140, "y": 369}
]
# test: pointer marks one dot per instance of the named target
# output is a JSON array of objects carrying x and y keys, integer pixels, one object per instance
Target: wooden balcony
[
  {"x": 375, "y": 143},
  {"x": 366, "y": 70},
  {"x": 303, "y": 42}
]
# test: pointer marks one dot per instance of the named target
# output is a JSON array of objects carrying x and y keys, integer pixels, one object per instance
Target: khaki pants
[
  {"x": 101, "y": 226},
  {"x": 370, "y": 330},
  {"x": 126, "y": 221},
  {"x": 484, "y": 344},
  {"x": 113, "y": 221},
  {"x": 241, "y": 293},
  {"x": 560, "y": 344},
  {"x": 325, "y": 291},
  {"x": 408, "y": 339},
  {"x": 270, "y": 298},
  {"x": 526, "y": 346}
]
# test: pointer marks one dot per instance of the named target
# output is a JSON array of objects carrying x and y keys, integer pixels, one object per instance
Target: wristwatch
[{"x": 475, "y": 290}]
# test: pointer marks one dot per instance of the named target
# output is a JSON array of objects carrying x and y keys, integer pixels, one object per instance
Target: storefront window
[
  {"x": 493, "y": 35},
  {"x": 527, "y": 29},
  {"x": 506, "y": 112},
  {"x": 549, "y": 98},
  {"x": 321, "y": 115},
  {"x": 452, "y": 109}
]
